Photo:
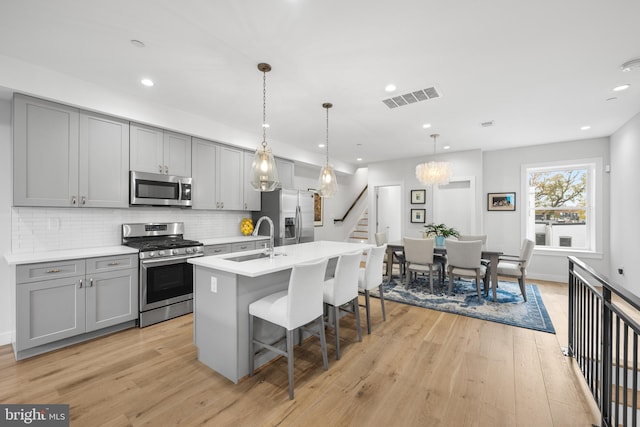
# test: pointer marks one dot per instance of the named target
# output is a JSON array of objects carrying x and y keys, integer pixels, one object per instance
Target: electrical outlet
[
  {"x": 214, "y": 284},
  {"x": 621, "y": 270}
]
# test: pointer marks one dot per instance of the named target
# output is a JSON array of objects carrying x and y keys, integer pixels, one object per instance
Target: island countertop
[{"x": 286, "y": 257}]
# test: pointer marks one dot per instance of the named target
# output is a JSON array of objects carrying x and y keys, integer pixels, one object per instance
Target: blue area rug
[{"x": 510, "y": 308}]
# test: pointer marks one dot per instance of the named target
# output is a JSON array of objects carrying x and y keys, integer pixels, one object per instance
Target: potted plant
[{"x": 440, "y": 232}]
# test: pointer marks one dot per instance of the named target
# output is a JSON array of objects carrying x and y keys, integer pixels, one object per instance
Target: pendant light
[
  {"x": 264, "y": 175},
  {"x": 327, "y": 182},
  {"x": 433, "y": 172}
]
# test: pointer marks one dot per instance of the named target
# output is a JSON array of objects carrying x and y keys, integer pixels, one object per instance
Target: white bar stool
[
  {"x": 291, "y": 309},
  {"x": 343, "y": 290},
  {"x": 370, "y": 277}
]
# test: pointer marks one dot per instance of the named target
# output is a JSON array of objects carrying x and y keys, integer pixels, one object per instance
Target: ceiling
[{"x": 539, "y": 70}]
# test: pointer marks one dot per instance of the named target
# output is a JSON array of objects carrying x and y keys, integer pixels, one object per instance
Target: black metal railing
[
  {"x": 364, "y": 190},
  {"x": 603, "y": 339}
]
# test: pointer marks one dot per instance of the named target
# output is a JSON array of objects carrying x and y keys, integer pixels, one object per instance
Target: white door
[
  {"x": 389, "y": 212},
  {"x": 454, "y": 204}
]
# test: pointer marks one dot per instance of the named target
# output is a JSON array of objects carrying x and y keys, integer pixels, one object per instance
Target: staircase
[{"x": 360, "y": 233}]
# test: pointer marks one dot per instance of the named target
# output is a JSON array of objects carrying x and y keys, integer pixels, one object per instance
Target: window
[{"x": 560, "y": 205}]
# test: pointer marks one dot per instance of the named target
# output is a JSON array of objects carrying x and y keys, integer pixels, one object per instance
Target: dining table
[{"x": 491, "y": 255}]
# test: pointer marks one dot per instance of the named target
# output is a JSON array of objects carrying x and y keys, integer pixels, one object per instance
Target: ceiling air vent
[{"x": 412, "y": 97}]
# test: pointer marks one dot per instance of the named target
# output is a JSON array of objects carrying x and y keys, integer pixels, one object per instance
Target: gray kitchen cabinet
[
  {"x": 217, "y": 249},
  {"x": 251, "y": 196},
  {"x": 243, "y": 246},
  {"x": 285, "y": 173},
  {"x": 156, "y": 150},
  {"x": 64, "y": 299},
  {"x": 217, "y": 176},
  {"x": 66, "y": 157}
]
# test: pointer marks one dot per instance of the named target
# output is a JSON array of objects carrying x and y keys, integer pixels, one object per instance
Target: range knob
[
  {"x": 161, "y": 253},
  {"x": 188, "y": 250},
  {"x": 152, "y": 254},
  {"x": 175, "y": 251}
]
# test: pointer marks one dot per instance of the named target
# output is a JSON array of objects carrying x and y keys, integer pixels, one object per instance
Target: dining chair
[
  {"x": 472, "y": 237},
  {"x": 341, "y": 293},
  {"x": 464, "y": 260},
  {"x": 398, "y": 256},
  {"x": 419, "y": 258},
  {"x": 296, "y": 307},
  {"x": 516, "y": 265},
  {"x": 370, "y": 277}
]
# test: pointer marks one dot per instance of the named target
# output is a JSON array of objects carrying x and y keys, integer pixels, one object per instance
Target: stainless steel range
[{"x": 166, "y": 278}]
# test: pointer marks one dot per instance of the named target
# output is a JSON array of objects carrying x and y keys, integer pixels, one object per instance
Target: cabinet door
[
  {"x": 243, "y": 246},
  {"x": 285, "y": 173},
  {"x": 230, "y": 183},
  {"x": 177, "y": 154},
  {"x": 49, "y": 311},
  {"x": 251, "y": 195},
  {"x": 104, "y": 161},
  {"x": 111, "y": 298},
  {"x": 217, "y": 249},
  {"x": 45, "y": 153},
  {"x": 146, "y": 149},
  {"x": 203, "y": 189}
]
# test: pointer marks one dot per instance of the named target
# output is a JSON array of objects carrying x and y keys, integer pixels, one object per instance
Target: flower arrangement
[
  {"x": 440, "y": 230},
  {"x": 246, "y": 226}
]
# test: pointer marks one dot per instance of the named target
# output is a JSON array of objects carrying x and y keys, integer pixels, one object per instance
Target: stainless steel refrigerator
[{"x": 292, "y": 214}]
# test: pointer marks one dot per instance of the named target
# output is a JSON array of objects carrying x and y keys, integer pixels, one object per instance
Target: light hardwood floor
[{"x": 419, "y": 368}]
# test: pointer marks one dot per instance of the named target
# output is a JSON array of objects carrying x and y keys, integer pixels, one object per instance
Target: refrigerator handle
[{"x": 298, "y": 223}]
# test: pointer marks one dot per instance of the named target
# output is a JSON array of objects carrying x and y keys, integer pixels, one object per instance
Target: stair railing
[
  {"x": 603, "y": 339},
  {"x": 364, "y": 190}
]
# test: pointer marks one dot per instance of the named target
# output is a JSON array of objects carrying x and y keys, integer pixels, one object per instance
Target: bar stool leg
[
  {"x": 323, "y": 344},
  {"x": 356, "y": 310},
  {"x": 290, "y": 361},
  {"x": 252, "y": 350},
  {"x": 367, "y": 309},
  {"x": 384, "y": 315},
  {"x": 336, "y": 329}
]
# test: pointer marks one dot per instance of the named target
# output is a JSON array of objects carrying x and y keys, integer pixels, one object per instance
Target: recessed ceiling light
[
  {"x": 359, "y": 159},
  {"x": 147, "y": 82},
  {"x": 585, "y": 128},
  {"x": 321, "y": 145},
  {"x": 265, "y": 125},
  {"x": 446, "y": 147},
  {"x": 621, "y": 87},
  {"x": 137, "y": 43},
  {"x": 390, "y": 88},
  {"x": 426, "y": 126}
]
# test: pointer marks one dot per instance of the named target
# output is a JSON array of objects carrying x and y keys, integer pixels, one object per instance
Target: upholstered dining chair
[
  {"x": 465, "y": 261},
  {"x": 370, "y": 277},
  {"x": 398, "y": 256},
  {"x": 472, "y": 237},
  {"x": 296, "y": 307},
  {"x": 516, "y": 265},
  {"x": 419, "y": 258},
  {"x": 342, "y": 290}
]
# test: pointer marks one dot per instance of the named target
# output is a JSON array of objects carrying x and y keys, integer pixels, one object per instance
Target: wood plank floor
[{"x": 419, "y": 368}]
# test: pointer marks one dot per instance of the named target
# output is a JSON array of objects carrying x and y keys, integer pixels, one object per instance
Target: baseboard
[
  {"x": 5, "y": 338},
  {"x": 562, "y": 278}
]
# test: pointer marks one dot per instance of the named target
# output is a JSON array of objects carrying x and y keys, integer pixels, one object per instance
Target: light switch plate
[{"x": 214, "y": 284}]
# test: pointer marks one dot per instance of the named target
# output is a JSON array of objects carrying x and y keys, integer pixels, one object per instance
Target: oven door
[{"x": 165, "y": 281}]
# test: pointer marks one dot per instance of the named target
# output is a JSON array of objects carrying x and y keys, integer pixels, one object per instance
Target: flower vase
[{"x": 440, "y": 241}]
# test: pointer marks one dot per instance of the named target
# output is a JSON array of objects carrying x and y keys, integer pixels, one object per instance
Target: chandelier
[
  {"x": 264, "y": 175},
  {"x": 327, "y": 182},
  {"x": 433, "y": 172}
]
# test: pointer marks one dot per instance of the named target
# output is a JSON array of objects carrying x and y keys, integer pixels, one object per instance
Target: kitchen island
[{"x": 225, "y": 285}]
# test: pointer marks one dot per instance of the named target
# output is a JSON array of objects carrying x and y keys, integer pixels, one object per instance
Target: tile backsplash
[{"x": 48, "y": 229}]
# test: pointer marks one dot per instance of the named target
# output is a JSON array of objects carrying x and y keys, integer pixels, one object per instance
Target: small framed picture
[
  {"x": 418, "y": 215},
  {"x": 318, "y": 204},
  {"x": 418, "y": 197},
  {"x": 501, "y": 201}
]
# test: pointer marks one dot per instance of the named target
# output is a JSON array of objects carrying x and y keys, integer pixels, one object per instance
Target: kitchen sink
[{"x": 249, "y": 257}]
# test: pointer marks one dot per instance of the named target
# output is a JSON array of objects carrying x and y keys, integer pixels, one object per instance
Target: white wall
[
  {"x": 403, "y": 173},
  {"x": 625, "y": 205},
  {"x": 5, "y": 220},
  {"x": 502, "y": 173}
]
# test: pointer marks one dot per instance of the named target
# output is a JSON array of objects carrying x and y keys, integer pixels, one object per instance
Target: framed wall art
[
  {"x": 501, "y": 201},
  {"x": 418, "y": 215},
  {"x": 418, "y": 197},
  {"x": 317, "y": 210}
]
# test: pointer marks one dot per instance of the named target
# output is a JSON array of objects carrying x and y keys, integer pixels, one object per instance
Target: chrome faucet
[{"x": 271, "y": 231}]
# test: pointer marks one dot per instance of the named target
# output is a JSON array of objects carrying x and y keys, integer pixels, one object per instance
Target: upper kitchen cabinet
[
  {"x": 159, "y": 151},
  {"x": 285, "y": 172},
  {"x": 251, "y": 195},
  {"x": 66, "y": 157},
  {"x": 217, "y": 176}
]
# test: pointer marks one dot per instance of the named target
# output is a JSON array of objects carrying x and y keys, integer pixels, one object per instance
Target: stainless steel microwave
[{"x": 154, "y": 189}]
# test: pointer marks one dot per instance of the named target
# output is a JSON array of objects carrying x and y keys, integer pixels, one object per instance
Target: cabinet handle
[
  {"x": 222, "y": 205},
  {"x": 166, "y": 169},
  {"x": 217, "y": 250},
  {"x": 54, "y": 270},
  {"x": 84, "y": 200},
  {"x": 160, "y": 168},
  {"x": 245, "y": 206},
  {"x": 91, "y": 282},
  {"x": 73, "y": 200},
  {"x": 114, "y": 263},
  {"x": 80, "y": 283}
]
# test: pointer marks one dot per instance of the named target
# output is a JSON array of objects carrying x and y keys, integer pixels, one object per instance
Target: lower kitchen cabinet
[{"x": 57, "y": 301}]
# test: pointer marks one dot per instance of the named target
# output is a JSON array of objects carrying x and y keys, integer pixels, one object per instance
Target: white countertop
[
  {"x": 31, "y": 257},
  {"x": 286, "y": 257},
  {"x": 231, "y": 239}
]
